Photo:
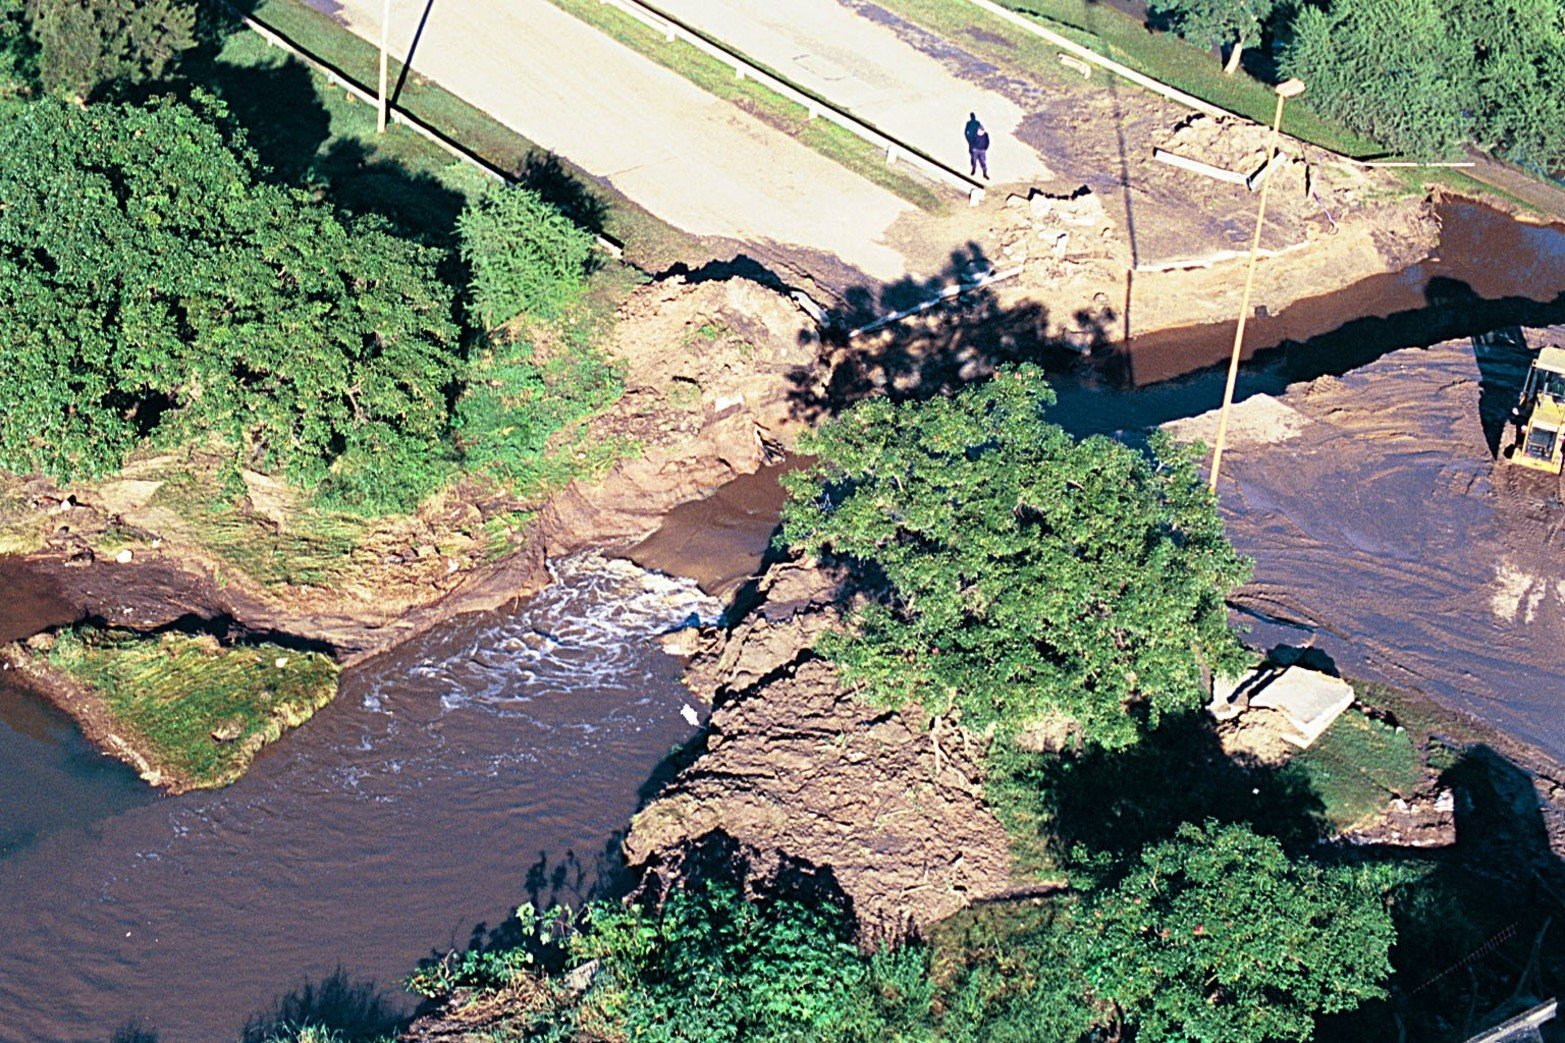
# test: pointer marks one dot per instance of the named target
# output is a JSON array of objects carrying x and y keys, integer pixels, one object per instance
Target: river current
[
  {"x": 494, "y": 761},
  {"x": 500, "y": 758}
]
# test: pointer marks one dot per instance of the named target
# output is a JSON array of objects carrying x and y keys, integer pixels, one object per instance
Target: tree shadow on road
[
  {"x": 308, "y": 135},
  {"x": 937, "y": 351}
]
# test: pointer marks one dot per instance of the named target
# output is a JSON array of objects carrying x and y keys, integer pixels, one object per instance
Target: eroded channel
[
  {"x": 499, "y": 759},
  {"x": 493, "y": 761}
]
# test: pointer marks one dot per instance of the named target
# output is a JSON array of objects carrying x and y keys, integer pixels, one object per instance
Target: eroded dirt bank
[
  {"x": 710, "y": 372},
  {"x": 799, "y": 772}
]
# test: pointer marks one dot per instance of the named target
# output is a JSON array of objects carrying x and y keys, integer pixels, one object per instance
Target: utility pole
[
  {"x": 385, "y": 42},
  {"x": 1285, "y": 90}
]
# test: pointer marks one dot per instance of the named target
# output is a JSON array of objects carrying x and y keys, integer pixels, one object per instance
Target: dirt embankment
[
  {"x": 710, "y": 370},
  {"x": 801, "y": 773}
]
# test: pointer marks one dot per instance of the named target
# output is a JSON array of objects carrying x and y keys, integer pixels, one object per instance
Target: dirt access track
[
  {"x": 711, "y": 169},
  {"x": 1385, "y": 531}
]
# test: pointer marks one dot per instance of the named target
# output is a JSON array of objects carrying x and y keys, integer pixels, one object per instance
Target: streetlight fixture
[
  {"x": 1285, "y": 90},
  {"x": 385, "y": 42}
]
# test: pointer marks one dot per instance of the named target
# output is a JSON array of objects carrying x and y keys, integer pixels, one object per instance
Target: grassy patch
[
  {"x": 1124, "y": 39},
  {"x": 314, "y": 548},
  {"x": 196, "y": 710},
  {"x": 648, "y": 241},
  {"x": 834, "y": 142},
  {"x": 309, "y": 131},
  {"x": 1357, "y": 765}
]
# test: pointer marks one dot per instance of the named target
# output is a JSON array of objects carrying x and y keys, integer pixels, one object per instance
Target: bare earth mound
[{"x": 798, "y": 770}]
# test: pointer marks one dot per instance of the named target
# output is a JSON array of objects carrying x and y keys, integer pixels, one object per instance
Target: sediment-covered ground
[
  {"x": 1387, "y": 529},
  {"x": 710, "y": 372}
]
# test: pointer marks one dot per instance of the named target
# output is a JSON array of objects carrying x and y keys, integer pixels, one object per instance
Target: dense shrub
[
  {"x": 705, "y": 966},
  {"x": 86, "y": 44},
  {"x": 1218, "y": 936},
  {"x": 711, "y": 966},
  {"x": 1214, "y": 22},
  {"x": 1030, "y": 575},
  {"x": 151, "y": 285},
  {"x": 18, "y": 52},
  {"x": 524, "y": 255},
  {"x": 514, "y": 404},
  {"x": 1430, "y": 76}
]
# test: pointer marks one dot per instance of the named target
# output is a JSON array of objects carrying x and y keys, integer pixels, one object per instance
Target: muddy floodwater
[
  {"x": 1489, "y": 270},
  {"x": 500, "y": 758},
  {"x": 492, "y": 762}
]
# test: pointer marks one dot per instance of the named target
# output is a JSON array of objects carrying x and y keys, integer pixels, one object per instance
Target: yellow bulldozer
[{"x": 1540, "y": 415}]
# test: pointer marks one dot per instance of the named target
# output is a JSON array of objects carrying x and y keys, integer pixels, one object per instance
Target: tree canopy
[
  {"x": 86, "y": 44},
  {"x": 18, "y": 52},
  {"x": 524, "y": 254},
  {"x": 1218, "y": 936},
  {"x": 151, "y": 284},
  {"x": 1213, "y": 22},
  {"x": 1430, "y": 76},
  {"x": 1030, "y": 575}
]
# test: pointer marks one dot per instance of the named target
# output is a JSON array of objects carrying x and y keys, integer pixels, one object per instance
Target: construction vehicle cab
[{"x": 1540, "y": 415}]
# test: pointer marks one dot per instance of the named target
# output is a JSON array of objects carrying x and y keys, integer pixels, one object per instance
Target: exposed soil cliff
[
  {"x": 709, "y": 369},
  {"x": 797, "y": 770}
]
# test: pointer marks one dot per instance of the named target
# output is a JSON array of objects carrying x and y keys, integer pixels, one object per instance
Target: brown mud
[
  {"x": 799, "y": 772},
  {"x": 720, "y": 541},
  {"x": 1487, "y": 270},
  {"x": 523, "y": 760},
  {"x": 710, "y": 369},
  {"x": 1388, "y": 530}
]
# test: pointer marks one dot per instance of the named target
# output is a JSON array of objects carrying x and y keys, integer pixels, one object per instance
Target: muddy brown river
[
  {"x": 492, "y": 762},
  {"x": 500, "y": 758}
]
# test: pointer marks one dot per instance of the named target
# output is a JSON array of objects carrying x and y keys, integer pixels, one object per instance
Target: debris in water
[{"x": 692, "y": 718}]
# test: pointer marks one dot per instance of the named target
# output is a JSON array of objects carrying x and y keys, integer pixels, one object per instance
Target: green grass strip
[
  {"x": 1356, "y": 766},
  {"x": 648, "y": 240},
  {"x": 197, "y": 710},
  {"x": 1124, "y": 39},
  {"x": 715, "y": 77}
]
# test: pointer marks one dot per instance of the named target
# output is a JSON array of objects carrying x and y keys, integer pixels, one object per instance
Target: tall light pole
[
  {"x": 1285, "y": 90},
  {"x": 385, "y": 41}
]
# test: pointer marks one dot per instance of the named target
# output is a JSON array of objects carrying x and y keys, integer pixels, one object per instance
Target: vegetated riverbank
[
  {"x": 797, "y": 780},
  {"x": 718, "y": 377},
  {"x": 709, "y": 373}
]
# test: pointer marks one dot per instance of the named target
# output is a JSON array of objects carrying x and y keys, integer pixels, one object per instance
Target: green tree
[
  {"x": 1429, "y": 77},
  {"x": 706, "y": 965},
  {"x": 1218, "y": 936},
  {"x": 87, "y": 44},
  {"x": 525, "y": 256},
  {"x": 18, "y": 52},
  {"x": 712, "y": 966},
  {"x": 1217, "y": 22},
  {"x": 1030, "y": 575},
  {"x": 151, "y": 284}
]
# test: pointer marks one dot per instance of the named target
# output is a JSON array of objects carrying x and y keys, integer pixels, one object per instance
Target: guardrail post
[
  {"x": 891, "y": 154},
  {"x": 975, "y": 196}
]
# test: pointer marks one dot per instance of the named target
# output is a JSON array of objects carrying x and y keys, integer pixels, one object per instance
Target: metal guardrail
[
  {"x": 340, "y": 79},
  {"x": 1523, "y": 1026},
  {"x": 896, "y": 150}
]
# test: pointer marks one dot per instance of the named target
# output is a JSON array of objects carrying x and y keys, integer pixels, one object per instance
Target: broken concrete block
[{"x": 1308, "y": 699}]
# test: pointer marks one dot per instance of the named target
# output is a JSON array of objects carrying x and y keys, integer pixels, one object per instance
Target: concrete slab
[{"x": 1308, "y": 699}]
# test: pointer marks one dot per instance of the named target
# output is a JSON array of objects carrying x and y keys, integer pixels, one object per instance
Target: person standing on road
[{"x": 977, "y": 145}]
